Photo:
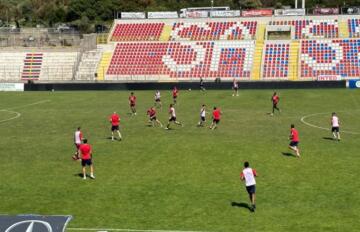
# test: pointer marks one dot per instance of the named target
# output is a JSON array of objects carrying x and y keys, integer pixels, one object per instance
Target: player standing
[
  {"x": 216, "y": 118},
  {"x": 275, "y": 100},
  {"x": 77, "y": 141},
  {"x": 294, "y": 140},
  {"x": 152, "y": 117},
  {"x": 175, "y": 93},
  {"x": 172, "y": 117},
  {"x": 115, "y": 122},
  {"x": 158, "y": 99},
  {"x": 335, "y": 124},
  {"x": 86, "y": 159},
  {"x": 248, "y": 174},
  {"x": 202, "y": 88},
  {"x": 235, "y": 88},
  {"x": 132, "y": 103},
  {"x": 202, "y": 116}
]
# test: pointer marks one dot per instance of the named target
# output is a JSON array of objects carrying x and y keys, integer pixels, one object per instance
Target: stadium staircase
[
  {"x": 344, "y": 29},
  {"x": 294, "y": 60},
  {"x": 88, "y": 65},
  {"x": 104, "y": 65}
]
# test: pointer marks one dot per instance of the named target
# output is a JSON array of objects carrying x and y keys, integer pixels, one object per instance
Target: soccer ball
[{"x": 190, "y": 89}]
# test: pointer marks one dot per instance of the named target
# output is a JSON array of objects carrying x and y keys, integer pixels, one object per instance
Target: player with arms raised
[
  {"x": 132, "y": 103},
  {"x": 115, "y": 122},
  {"x": 172, "y": 117},
  {"x": 294, "y": 140}
]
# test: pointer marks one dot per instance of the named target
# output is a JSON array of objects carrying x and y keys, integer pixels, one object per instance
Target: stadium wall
[{"x": 182, "y": 85}]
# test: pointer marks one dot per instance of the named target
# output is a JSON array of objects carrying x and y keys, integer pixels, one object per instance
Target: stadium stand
[
  {"x": 137, "y": 31},
  {"x": 276, "y": 60},
  {"x": 337, "y": 57},
  {"x": 183, "y": 59},
  {"x": 354, "y": 29}
]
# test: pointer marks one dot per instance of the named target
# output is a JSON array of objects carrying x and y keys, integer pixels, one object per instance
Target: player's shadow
[
  {"x": 109, "y": 138},
  {"x": 241, "y": 205},
  {"x": 328, "y": 138},
  {"x": 288, "y": 154}
]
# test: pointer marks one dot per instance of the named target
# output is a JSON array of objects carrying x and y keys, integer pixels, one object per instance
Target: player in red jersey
[
  {"x": 216, "y": 118},
  {"x": 115, "y": 122},
  {"x": 132, "y": 103},
  {"x": 86, "y": 159},
  {"x": 294, "y": 140},
  {"x": 175, "y": 94},
  {"x": 152, "y": 117},
  {"x": 172, "y": 117},
  {"x": 275, "y": 100},
  {"x": 77, "y": 141}
]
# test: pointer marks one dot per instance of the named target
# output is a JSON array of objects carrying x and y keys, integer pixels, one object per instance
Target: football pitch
[{"x": 186, "y": 178}]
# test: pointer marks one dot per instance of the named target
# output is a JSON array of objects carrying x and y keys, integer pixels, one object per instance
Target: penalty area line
[
  {"x": 302, "y": 119},
  {"x": 31, "y": 104},
  {"x": 129, "y": 230}
]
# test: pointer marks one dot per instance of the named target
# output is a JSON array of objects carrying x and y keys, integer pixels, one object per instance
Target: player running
[
  {"x": 132, "y": 103},
  {"x": 115, "y": 122},
  {"x": 172, "y": 117},
  {"x": 248, "y": 175},
  {"x": 202, "y": 116},
  {"x": 235, "y": 88},
  {"x": 202, "y": 88},
  {"x": 86, "y": 159},
  {"x": 216, "y": 118},
  {"x": 77, "y": 141},
  {"x": 175, "y": 93},
  {"x": 157, "y": 98},
  {"x": 294, "y": 140},
  {"x": 152, "y": 117},
  {"x": 275, "y": 100},
  {"x": 335, "y": 124}
]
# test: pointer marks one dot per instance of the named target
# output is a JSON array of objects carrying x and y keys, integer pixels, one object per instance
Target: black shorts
[
  {"x": 172, "y": 119},
  {"x": 293, "y": 144},
  {"x": 153, "y": 118},
  {"x": 335, "y": 129},
  {"x": 114, "y": 128},
  {"x": 132, "y": 105},
  {"x": 174, "y": 97},
  {"x": 87, "y": 162},
  {"x": 157, "y": 100},
  {"x": 202, "y": 119},
  {"x": 251, "y": 189},
  {"x": 235, "y": 88},
  {"x": 274, "y": 105},
  {"x": 216, "y": 121}
]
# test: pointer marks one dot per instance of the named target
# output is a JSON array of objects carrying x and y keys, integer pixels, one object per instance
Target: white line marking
[
  {"x": 323, "y": 128},
  {"x": 31, "y": 104},
  {"x": 129, "y": 230},
  {"x": 17, "y": 114}
]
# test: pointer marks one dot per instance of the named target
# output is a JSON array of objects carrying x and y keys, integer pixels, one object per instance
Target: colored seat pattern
[
  {"x": 330, "y": 57},
  {"x": 276, "y": 60},
  {"x": 184, "y": 59},
  {"x": 32, "y": 66},
  {"x": 137, "y": 31},
  {"x": 354, "y": 29},
  {"x": 200, "y": 31},
  {"x": 310, "y": 29}
]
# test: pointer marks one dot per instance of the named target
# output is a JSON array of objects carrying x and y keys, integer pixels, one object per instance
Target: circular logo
[
  {"x": 30, "y": 227},
  {"x": 357, "y": 84}
]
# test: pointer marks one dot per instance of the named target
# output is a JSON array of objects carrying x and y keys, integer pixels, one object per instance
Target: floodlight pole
[
  {"x": 212, "y": 4},
  {"x": 303, "y": 4},
  {"x": 296, "y": 4}
]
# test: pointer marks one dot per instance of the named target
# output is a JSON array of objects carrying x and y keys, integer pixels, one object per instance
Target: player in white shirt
[
  {"x": 77, "y": 141},
  {"x": 172, "y": 117},
  {"x": 248, "y": 175},
  {"x": 335, "y": 124},
  {"x": 202, "y": 116},
  {"x": 235, "y": 88},
  {"x": 157, "y": 98}
]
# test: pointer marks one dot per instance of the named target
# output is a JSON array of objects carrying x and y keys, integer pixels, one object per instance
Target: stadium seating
[
  {"x": 183, "y": 59},
  {"x": 312, "y": 28},
  {"x": 137, "y": 31},
  {"x": 276, "y": 60},
  {"x": 213, "y": 30},
  {"x": 11, "y": 65},
  {"x": 59, "y": 66},
  {"x": 354, "y": 29},
  {"x": 337, "y": 57},
  {"x": 32, "y": 66}
]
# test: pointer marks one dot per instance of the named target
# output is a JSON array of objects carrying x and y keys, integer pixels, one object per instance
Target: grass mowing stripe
[{"x": 129, "y": 230}]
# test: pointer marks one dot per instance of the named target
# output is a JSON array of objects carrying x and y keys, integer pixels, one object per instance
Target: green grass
[{"x": 185, "y": 178}]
